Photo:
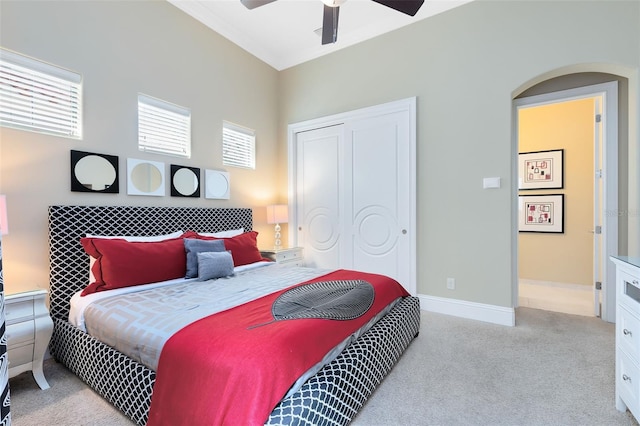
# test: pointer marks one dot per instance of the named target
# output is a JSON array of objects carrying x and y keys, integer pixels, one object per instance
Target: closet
[{"x": 352, "y": 181}]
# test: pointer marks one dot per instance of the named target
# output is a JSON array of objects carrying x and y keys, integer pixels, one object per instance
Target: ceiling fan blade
[
  {"x": 330, "y": 24},
  {"x": 410, "y": 7},
  {"x": 252, "y": 4}
]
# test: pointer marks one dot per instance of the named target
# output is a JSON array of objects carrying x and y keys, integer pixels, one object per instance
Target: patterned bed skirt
[{"x": 332, "y": 397}]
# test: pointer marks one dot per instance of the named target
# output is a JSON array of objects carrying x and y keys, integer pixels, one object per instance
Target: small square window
[
  {"x": 39, "y": 97},
  {"x": 163, "y": 128},
  {"x": 238, "y": 146}
]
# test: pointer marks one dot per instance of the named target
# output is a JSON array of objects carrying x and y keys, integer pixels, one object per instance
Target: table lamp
[{"x": 277, "y": 214}]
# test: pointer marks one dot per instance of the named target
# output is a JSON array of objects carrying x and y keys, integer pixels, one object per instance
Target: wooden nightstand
[
  {"x": 29, "y": 328},
  {"x": 291, "y": 256}
]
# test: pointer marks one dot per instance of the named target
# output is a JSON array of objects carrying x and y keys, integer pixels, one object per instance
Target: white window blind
[
  {"x": 39, "y": 97},
  {"x": 163, "y": 127},
  {"x": 238, "y": 146}
]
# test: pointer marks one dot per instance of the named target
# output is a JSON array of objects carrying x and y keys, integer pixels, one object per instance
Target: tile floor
[{"x": 566, "y": 298}]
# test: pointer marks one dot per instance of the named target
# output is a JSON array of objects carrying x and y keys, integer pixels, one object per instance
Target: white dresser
[
  {"x": 627, "y": 334},
  {"x": 291, "y": 256},
  {"x": 29, "y": 329}
]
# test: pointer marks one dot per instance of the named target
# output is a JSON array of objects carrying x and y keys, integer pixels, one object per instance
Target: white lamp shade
[
  {"x": 334, "y": 3},
  {"x": 4, "y": 221},
  {"x": 277, "y": 213}
]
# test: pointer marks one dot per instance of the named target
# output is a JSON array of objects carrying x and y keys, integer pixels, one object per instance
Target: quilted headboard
[{"x": 69, "y": 264}]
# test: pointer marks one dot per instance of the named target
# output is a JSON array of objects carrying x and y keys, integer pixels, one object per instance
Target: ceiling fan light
[{"x": 334, "y": 3}]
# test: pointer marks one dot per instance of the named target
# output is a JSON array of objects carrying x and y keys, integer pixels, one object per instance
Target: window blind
[
  {"x": 163, "y": 127},
  {"x": 39, "y": 97},
  {"x": 238, "y": 146}
]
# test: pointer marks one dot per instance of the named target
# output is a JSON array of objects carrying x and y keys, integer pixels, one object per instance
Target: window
[
  {"x": 238, "y": 146},
  {"x": 39, "y": 97},
  {"x": 163, "y": 128}
]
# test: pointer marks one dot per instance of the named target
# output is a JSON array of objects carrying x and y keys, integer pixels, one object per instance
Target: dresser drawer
[
  {"x": 629, "y": 291},
  {"x": 628, "y": 381},
  {"x": 20, "y": 332},
  {"x": 628, "y": 333},
  {"x": 20, "y": 355},
  {"x": 19, "y": 310}
]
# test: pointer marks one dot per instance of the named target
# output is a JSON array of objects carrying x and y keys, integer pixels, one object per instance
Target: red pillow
[
  {"x": 121, "y": 263},
  {"x": 243, "y": 247}
]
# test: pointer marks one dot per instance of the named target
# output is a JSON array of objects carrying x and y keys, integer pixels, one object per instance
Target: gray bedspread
[{"x": 138, "y": 324}]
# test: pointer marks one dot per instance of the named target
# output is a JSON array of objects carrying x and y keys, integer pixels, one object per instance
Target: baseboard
[{"x": 471, "y": 310}]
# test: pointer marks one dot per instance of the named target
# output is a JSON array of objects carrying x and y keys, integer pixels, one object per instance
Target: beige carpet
[{"x": 551, "y": 369}]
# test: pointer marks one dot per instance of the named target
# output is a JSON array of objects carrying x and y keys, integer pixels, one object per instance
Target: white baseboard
[{"x": 471, "y": 310}]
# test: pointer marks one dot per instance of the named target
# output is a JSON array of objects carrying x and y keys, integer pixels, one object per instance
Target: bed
[{"x": 332, "y": 396}]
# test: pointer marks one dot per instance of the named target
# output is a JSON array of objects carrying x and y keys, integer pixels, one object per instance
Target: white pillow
[
  {"x": 223, "y": 234},
  {"x": 131, "y": 239}
]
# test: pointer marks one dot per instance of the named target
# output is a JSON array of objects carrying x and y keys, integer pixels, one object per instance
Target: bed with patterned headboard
[{"x": 333, "y": 395}]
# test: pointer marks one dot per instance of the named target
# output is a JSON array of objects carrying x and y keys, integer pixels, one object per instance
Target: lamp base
[{"x": 278, "y": 243}]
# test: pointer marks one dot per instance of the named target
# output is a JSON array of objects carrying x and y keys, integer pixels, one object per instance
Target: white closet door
[
  {"x": 354, "y": 195},
  {"x": 320, "y": 189},
  {"x": 378, "y": 204}
]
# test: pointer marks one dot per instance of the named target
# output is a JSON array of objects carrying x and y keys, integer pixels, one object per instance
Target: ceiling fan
[{"x": 332, "y": 8}]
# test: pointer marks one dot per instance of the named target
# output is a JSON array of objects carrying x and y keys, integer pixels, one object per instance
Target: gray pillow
[
  {"x": 193, "y": 246},
  {"x": 214, "y": 265}
]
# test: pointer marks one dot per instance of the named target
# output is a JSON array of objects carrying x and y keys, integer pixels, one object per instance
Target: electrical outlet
[{"x": 451, "y": 283}]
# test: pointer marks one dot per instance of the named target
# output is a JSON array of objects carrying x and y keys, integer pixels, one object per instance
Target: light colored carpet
[{"x": 551, "y": 369}]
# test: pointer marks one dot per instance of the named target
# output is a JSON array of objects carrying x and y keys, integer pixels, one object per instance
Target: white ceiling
[{"x": 282, "y": 33}]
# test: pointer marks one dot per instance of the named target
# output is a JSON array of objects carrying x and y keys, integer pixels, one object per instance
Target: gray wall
[
  {"x": 122, "y": 48},
  {"x": 465, "y": 66}
]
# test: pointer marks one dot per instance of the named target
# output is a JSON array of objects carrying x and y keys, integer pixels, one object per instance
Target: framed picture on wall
[
  {"x": 541, "y": 169},
  {"x": 541, "y": 213},
  {"x": 91, "y": 172}
]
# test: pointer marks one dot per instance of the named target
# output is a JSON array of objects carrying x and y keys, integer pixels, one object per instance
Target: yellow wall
[{"x": 567, "y": 257}]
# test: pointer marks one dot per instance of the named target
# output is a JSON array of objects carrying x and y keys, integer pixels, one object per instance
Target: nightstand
[
  {"x": 291, "y": 256},
  {"x": 29, "y": 328}
]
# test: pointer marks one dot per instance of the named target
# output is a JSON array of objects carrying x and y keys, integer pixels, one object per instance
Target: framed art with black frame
[
  {"x": 185, "y": 181},
  {"x": 541, "y": 169},
  {"x": 541, "y": 213},
  {"x": 91, "y": 172}
]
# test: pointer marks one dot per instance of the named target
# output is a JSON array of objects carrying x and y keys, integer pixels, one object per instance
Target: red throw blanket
[{"x": 221, "y": 371}]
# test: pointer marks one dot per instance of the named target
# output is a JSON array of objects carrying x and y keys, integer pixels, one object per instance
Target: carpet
[{"x": 550, "y": 369}]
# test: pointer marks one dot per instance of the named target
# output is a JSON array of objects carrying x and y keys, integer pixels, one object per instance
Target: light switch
[{"x": 491, "y": 182}]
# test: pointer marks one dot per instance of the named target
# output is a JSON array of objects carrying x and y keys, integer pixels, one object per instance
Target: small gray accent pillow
[
  {"x": 193, "y": 246},
  {"x": 214, "y": 265}
]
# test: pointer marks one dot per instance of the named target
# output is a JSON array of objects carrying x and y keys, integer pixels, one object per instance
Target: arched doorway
[{"x": 559, "y": 89}]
